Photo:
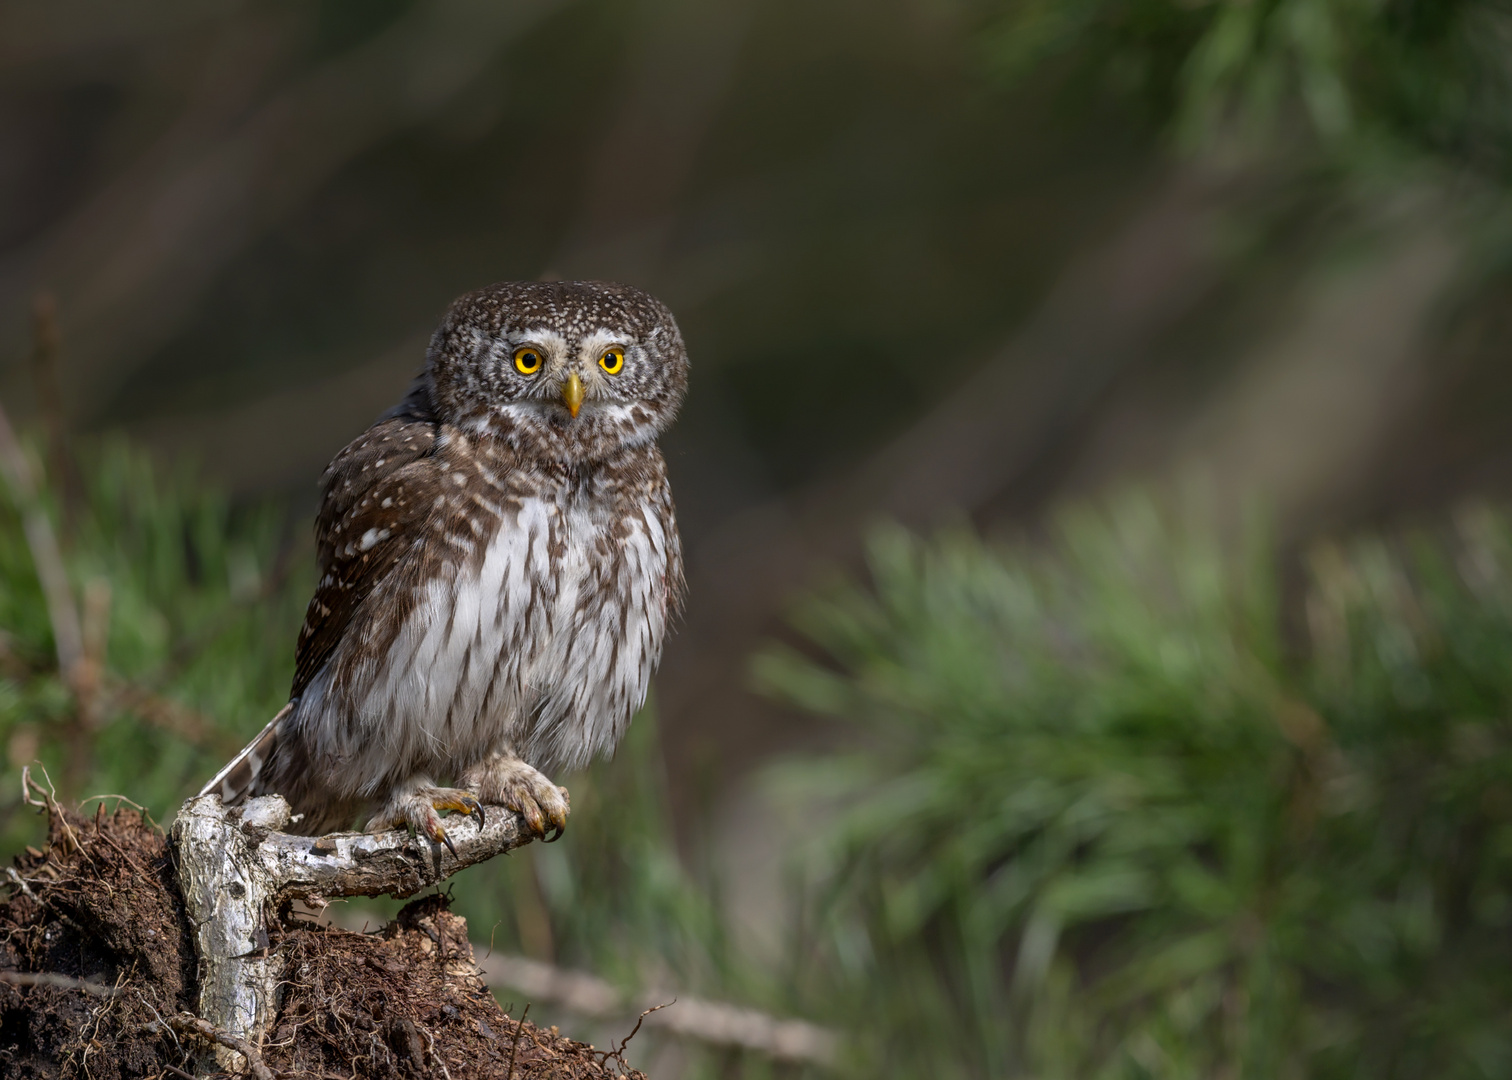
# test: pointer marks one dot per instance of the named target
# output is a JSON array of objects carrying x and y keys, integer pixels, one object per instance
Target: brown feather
[{"x": 377, "y": 486}]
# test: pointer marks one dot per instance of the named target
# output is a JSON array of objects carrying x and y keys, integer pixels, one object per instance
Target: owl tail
[{"x": 236, "y": 781}]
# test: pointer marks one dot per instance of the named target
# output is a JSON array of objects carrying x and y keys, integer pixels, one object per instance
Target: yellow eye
[
  {"x": 613, "y": 361},
  {"x": 527, "y": 361}
]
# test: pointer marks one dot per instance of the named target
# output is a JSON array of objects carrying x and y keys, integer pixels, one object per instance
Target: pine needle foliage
[
  {"x": 191, "y": 610},
  {"x": 1115, "y": 819}
]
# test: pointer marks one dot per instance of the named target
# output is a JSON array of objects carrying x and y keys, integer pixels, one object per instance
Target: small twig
[
  {"x": 619, "y": 1054},
  {"x": 60, "y": 982},
  {"x": 176, "y": 1071},
  {"x": 193, "y": 1025},
  {"x": 514, "y": 1046},
  {"x": 27, "y": 783},
  {"x": 120, "y": 798},
  {"x": 50, "y": 797},
  {"x": 63, "y": 916}
]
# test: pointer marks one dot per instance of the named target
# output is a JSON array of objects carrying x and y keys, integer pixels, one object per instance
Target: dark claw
[
  {"x": 482, "y": 818},
  {"x": 447, "y": 840},
  {"x": 559, "y": 830}
]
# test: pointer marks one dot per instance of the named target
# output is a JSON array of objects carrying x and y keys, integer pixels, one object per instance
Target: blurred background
[{"x": 1093, "y": 662}]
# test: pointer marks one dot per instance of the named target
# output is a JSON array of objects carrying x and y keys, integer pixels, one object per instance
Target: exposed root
[
  {"x": 187, "y": 1024},
  {"x": 98, "y": 981}
]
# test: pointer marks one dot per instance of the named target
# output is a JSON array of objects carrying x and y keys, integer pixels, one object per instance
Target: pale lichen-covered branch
[{"x": 237, "y": 868}]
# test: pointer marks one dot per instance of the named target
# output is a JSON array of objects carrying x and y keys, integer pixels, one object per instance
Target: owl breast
[{"x": 536, "y": 628}]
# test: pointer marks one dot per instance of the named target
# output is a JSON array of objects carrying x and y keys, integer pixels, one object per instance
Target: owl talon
[
  {"x": 505, "y": 780},
  {"x": 458, "y": 801},
  {"x": 416, "y": 808},
  {"x": 532, "y": 815}
]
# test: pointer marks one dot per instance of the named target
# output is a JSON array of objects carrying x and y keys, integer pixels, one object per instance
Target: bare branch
[
  {"x": 42, "y": 540},
  {"x": 61, "y": 982},
  {"x": 314, "y": 868},
  {"x": 236, "y": 869},
  {"x": 693, "y": 1018},
  {"x": 618, "y": 1053}
]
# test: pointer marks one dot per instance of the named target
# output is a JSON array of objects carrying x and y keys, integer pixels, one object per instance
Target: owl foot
[
  {"x": 505, "y": 780},
  {"x": 416, "y": 810}
]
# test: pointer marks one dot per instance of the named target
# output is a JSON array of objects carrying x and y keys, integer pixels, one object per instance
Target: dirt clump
[
  {"x": 94, "y": 919},
  {"x": 97, "y": 970},
  {"x": 408, "y": 1002}
]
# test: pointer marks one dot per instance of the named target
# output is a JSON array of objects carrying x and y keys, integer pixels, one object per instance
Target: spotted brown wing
[{"x": 375, "y": 504}]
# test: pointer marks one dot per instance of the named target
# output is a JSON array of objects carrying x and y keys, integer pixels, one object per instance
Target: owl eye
[
  {"x": 613, "y": 361},
  {"x": 527, "y": 361}
]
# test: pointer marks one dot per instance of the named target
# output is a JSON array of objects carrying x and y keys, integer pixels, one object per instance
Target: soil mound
[{"x": 97, "y": 964}]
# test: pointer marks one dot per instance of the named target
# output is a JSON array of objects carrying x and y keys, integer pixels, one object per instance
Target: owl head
[{"x": 567, "y": 371}]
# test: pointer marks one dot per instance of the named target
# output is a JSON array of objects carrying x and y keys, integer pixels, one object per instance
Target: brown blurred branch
[
  {"x": 81, "y": 643},
  {"x": 136, "y": 258},
  {"x": 60, "y": 982},
  {"x": 42, "y": 541},
  {"x": 692, "y": 1018},
  {"x": 47, "y": 358},
  {"x": 168, "y": 715}
]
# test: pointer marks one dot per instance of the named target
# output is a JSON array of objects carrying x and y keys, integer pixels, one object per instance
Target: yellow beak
[{"x": 572, "y": 394}]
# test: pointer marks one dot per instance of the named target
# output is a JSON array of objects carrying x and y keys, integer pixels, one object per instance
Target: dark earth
[{"x": 97, "y": 980}]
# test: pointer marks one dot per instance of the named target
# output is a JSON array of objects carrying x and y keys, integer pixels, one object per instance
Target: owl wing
[
  {"x": 372, "y": 506},
  {"x": 375, "y": 502}
]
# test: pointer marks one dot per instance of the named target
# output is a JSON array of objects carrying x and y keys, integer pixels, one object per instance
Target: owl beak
[{"x": 572, "y": 394}]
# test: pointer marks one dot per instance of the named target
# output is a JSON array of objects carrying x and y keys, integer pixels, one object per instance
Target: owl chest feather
[{"x": 536, "y": 624}]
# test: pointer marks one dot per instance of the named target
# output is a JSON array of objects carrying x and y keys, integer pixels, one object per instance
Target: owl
[{"x": 499, "y": 562}]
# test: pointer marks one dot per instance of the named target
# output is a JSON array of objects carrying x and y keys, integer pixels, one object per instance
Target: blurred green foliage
[
  {"x": 1119, "y": 815},
  {"x": 204, "y": 602},
  {"x": 1123, "y": 809},
  {"x": 195, "y": 611},
  {"x": 1426, "y": 76}
]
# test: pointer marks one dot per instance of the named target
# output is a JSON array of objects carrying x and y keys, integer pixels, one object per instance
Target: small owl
[{"x": 499, "y": 561}]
